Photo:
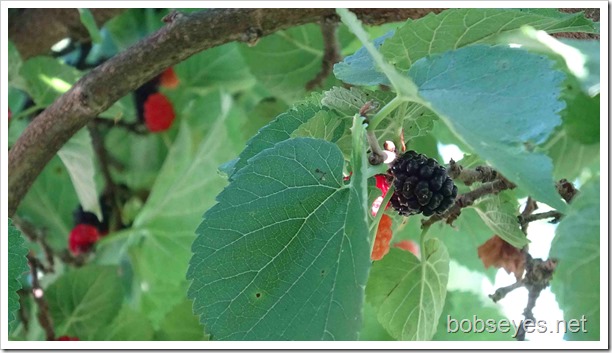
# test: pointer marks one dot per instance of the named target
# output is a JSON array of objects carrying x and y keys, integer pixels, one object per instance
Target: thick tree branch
[
  {"x": 34, "y": 31},
  {"x": 183, "y": 36}
]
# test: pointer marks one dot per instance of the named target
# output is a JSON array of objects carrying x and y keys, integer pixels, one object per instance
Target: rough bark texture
[
  {"x": 183, "y": 36},
  {"x": 34, "y": 31}
]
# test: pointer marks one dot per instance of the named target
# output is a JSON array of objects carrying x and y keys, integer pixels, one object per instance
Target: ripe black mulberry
[{"x": 421, "y": 185}]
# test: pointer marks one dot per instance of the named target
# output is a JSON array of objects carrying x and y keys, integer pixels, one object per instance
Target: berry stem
[
  {"x": 381, "y": 211},
  {"x": 383, "y": 112}
]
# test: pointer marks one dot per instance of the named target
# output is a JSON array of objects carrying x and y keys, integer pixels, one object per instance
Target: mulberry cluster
[{"x": 421, "y": 185}]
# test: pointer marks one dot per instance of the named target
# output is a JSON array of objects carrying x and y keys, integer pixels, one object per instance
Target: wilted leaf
[{"x": 498, "y": 253}]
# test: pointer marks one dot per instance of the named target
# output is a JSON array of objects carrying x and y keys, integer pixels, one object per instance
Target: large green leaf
[
  {"x": 284, "y": 255},
  {"x": 500, "y": 213},
  {"x": 468, "y": 306},
  {"x": 128, "y": 325},
  {"x": 409, "y": 293},
  {"x": 50, "y": 202},
  {"x": 280, "y": 129},
  {"x": 17, "y": 265},
  {"x": 456, "y": 28},
  {"x": 78, "y": 157},
  {"x": 84, "y": 301},
  {"x": 180, "y": 324},
  {"x": 481, "y": 86},
  {"x": 576, "y": 282}
]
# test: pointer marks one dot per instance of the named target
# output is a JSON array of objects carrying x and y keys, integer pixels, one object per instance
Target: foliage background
[{"x": 134, "y": 288}]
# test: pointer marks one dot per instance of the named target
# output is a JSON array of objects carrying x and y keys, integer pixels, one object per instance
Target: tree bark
[
  {"x": 183, "y": 36},
  {"x": 34, "y": 31}
]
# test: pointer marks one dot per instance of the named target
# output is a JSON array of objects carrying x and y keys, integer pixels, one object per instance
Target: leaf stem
[{"x": 383, "y": 112}]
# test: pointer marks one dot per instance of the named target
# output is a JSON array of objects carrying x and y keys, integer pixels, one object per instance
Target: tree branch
[
  {"x": 34, "y": 31},
  {"x": 183, "y": 36}
]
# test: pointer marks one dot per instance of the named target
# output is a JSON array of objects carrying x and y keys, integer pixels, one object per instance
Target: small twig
[
  {"x": 35, "y": 236},
  {"x": 111, "y": 188},
  {"x": 468, "y": 199},
  {"x": 331, "y": 55},
  {"x": 480, "y": 174},
  {"x": 23, "y": 314},
  {"x": 135, "y": 127},
  {"x": 44, "y": 317},
  {"x": 530, "y": 207},
  {"x": 555, "y": 215},
  {"x": 500, "y": 293}
]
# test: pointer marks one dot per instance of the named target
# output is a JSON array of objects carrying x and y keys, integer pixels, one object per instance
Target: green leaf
[
  {"x": 218, "y": 67},
  {"x": 180, "y": 324},
  {"x": 463, "y": 239},
  {"x": 78, "y": 157},
  {"x": 287, "y": 60},
  {"x": 89, "y": 22},
  {"x": 500, "y": 213},
  {"x": 280, "y": 129},
  {"x": 284, "y": 255},
  {"x": 186, "y": 186},
  {"x": 415, "y": 119},
  {"x": 325, "y": 125},
  {"x": 403, "y": 85},
  {"x": 460, "y": 88},
  {"x": 570, "y": 158},
  {"x": 14, "y": 67},
  {"x": 50, "y": 202},
  {"x": 408, "y": 293},
  {"x": 581, "y": 117},
  {"x": 456, "y": 28},
  {"x": 360, "y": 69},
  {"x": 576, "y": 245},
  {"x": 580, "y": 58},
  {"x": 47, "y": 79},
  {"x": 17, "y": 265},
  {"x": 462, "y": 305},
  {"x": 84, "y": 301},
  {"x": 372, "y": 330},
  {"x": 128, "y": 325}
]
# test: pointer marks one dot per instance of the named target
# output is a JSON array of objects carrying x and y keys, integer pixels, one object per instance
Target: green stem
[
  {"x": 384, "y": 111},
  {"x": 379, "y": 214},
  {"x": 373, "y": 170},
  {"x": 26, "y": 112}
]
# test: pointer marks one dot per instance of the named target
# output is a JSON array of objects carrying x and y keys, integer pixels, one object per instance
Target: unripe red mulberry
[
  {"x": 158, "y": 113},
  {"x": 383, "y": 238}
]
